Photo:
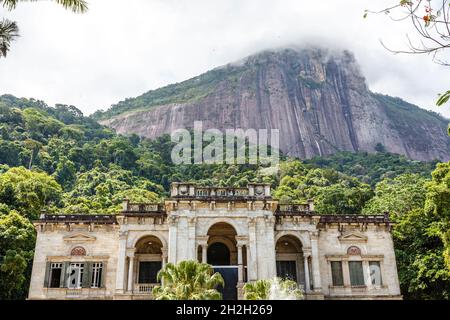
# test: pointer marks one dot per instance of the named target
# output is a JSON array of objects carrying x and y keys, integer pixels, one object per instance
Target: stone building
[{"x": 244, "y": 233}]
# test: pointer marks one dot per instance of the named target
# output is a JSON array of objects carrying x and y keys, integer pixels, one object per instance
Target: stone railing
[
  {"x": 144, "y": 288},
  {"x": 78, "y": 218},
  {"x": 75, "y": 293},
  {"x": 294, "y": 209},
  {"x": 357, "y": 218},
  {"x": 143, "y": 208}
]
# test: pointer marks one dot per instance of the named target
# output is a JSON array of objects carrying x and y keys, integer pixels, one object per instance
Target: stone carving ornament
[{"x": 78, "y": 251}]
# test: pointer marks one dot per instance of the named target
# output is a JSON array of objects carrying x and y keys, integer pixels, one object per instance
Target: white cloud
[{"x": 123, "y": 48}]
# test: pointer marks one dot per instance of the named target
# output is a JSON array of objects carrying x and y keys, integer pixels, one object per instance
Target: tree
[
  {"x": 276, "y": 289},
  {"x": 9, "y": 30},
  {"x": 188, "y": 280},
  {"x": 17, "y": 238},
  {"x": 431, "y": 23},
  {"x": 28, "y": 192},
  {"x": 437, "y": 205},
  {"x": 417, "y": 233},
  {"x": 398, "y": 196}
]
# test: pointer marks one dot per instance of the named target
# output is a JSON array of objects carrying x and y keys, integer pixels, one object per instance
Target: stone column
[
  {"x": 130, "y": 273},
  {"x": 204, "y": 253},
  {"x": 203, "y": 242},
  {"x": 306, "y": 265},
  {"x": 252, "y": 267},
  {"x": 173, "y": 224},
  {"x": 240, "y": 264},
  {"x": 270, "y": 256},
  {"x": 191, "y": 238},
  {"x": 164, "y": 257},
  {"x": 121, "y": 258},
  {"x": 315, "y": 261}
]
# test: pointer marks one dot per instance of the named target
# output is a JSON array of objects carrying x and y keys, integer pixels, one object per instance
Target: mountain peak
[{"x": 316, "y": 97}]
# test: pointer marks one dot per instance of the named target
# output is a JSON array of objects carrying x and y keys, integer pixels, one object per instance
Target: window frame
[
  {"x": 358, "y": 277},
  {"x": 333, "y": 283}
]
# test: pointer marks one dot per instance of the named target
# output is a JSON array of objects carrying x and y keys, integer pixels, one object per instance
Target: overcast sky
[{"x": 123, "y": 48}]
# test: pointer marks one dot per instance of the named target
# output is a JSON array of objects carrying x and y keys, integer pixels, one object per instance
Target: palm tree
[
  {"x": 275, "y": 289},
  {"x": 188, "y": 280},
  {"x": 9, "y": 30},
  {"x": 257, "y": 290}
]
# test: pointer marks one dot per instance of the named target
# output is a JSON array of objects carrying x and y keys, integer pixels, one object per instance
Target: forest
[{"x": 56, "y": 160}]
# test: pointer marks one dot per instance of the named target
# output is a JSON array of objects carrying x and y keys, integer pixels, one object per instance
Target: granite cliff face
[{"x": 319, "y": 102}]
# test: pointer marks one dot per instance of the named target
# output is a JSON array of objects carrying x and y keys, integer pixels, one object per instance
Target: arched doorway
[
  {"x": 222, "y": 255},
  {"x": 218, "y": 254},
  {"x": 289, "y": 259},
  {"x": 148, "y": 257},
  {"x": 222, "y": 235}
]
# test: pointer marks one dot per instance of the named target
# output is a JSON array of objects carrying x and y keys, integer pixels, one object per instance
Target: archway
[
  {"x": 222, "y": 255},
  {"x": 218, "y": 254},
  {"x": 222, "y": 248},
  {"x": 289, "y": 259},
  {"x": 148, "y": 257}
]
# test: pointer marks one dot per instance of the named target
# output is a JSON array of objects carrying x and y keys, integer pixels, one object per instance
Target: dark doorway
[
  {"x": 148, "y": 271},
  {"x": 218, "y": 254},
  {"x": 230, "y": 277},
  {"x": 287, "y": 270}
]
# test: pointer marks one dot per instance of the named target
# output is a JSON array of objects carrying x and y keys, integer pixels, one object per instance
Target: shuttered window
[
  {"x": 55, "y": 275},
  {"x": 356, "y": 273},
  {"x": 336, "y": 273}
]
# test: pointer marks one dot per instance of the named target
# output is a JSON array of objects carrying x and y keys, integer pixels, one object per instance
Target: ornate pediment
[
  {"x": 352, "y": 237},
  {"x": 79, "y": 238}
]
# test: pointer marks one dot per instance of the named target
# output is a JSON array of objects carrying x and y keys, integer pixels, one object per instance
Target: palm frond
[
  {"x": 77, "y": 6},
  {"x": 8, "y": 32}
]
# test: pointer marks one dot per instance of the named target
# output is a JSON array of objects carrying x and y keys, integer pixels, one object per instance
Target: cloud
[{"x": 122, "y": 49}]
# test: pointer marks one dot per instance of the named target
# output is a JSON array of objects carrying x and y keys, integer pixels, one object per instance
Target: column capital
[
  {"x": 192, "y": 221},
  {"x": 251, "y": 221},
  {"x": 314, "y": 235},
  {"x": 173, "y": 220},
  {"x": 123, "y": 235},
  {"x": 306, "y": 253}
]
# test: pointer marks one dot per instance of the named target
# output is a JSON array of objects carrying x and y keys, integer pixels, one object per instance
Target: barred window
[
  {"x": 356, "y": 273},
  {"x": 97, "y": 274},
  {"x": 55, "y": 275},
  {"x": 336, "y": 273}
]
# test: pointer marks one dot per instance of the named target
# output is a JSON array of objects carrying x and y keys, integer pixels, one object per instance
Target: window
[
  {"x": 97, "y": 274},
  {"x": 75, "y": 275},
  {"x": 148, "y": 271},
  {"x": 287, "y": 270},
  {"x": 375, "y": 273},
  {"x": 356, "y": 273},
  {"x": 55, "y": 275},
  {"x": 336, "y": 273},
  {"x": 202, "y": 193}
]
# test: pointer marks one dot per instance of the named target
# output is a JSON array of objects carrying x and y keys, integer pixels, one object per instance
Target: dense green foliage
[
  {"x": 188, "y": 280},
  {"x": 57, "y": 160}
]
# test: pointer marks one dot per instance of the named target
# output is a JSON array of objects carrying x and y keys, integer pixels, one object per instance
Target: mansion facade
[{"x": 242, "y": 232}]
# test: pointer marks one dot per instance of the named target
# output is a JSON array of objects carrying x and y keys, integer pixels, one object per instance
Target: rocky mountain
[{"x": 318, "y": 100}]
